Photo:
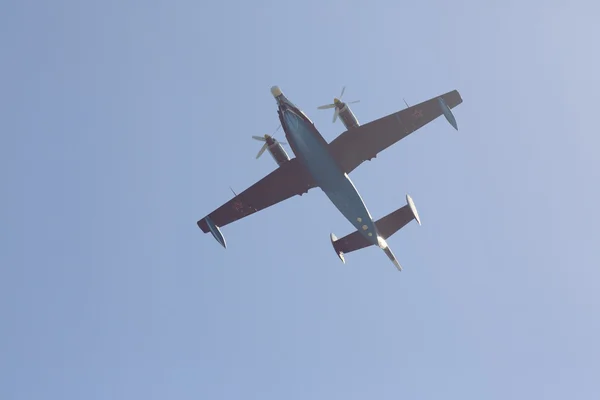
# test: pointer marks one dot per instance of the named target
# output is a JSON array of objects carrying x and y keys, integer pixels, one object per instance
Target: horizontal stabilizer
[
  {"x": 386, "y": 227},
  {"x": 393, "y": 222}
]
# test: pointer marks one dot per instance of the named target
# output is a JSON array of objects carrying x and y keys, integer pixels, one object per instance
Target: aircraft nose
[{"x": 275, "y": 91}]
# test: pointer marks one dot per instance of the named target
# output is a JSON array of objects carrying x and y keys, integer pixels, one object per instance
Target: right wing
[
  {"x": 357, "y": 145},
  {"x": 290, "y": 179}
]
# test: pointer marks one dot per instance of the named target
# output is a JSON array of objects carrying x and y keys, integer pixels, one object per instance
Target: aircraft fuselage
[{"x": 312, "y": 151}]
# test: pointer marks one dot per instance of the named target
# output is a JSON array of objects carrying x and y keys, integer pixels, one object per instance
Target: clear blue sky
[{"x": 124, "y": 122}]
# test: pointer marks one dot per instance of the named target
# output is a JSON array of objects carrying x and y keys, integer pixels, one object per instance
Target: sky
[{"x": 124, "y": 122}]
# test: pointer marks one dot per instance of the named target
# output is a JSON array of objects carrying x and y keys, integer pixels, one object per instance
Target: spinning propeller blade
[
  {"x": 325, "y": 107},
  {"x": 337, "y": 104},
  {"x": 264, "y": 139},
  {"x": 262, "y": 150}
]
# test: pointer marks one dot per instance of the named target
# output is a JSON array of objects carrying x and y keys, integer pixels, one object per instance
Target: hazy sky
[{"x": 124, "y": 122}]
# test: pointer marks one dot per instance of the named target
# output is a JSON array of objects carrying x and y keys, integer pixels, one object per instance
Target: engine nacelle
[{"x": 278, "y": 153}]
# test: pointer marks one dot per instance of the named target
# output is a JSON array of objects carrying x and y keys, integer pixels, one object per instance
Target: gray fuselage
[{"x": 312, "y": 151}]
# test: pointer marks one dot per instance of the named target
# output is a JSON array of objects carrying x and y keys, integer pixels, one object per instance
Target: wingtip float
[
  {"x": 216, "y": 232},
  {"x": 447, "y": 112}
]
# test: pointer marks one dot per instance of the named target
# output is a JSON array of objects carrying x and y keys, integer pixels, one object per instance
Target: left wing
[
  {"x": 357, "y": 145},
  {"x": 290, "y": 179}
]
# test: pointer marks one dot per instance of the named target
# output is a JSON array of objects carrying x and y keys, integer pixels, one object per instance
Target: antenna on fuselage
[
  {"x": 234, "y": 193},
  {"x": 407, "y": 106},
  {"x": 278, "y": 128}
]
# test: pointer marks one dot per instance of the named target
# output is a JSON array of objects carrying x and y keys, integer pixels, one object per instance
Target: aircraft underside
[
  {"x": 310, "y": 148},
  {"x": 327, "y": 165}
]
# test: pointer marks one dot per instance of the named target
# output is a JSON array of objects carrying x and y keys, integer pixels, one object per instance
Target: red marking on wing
[
  {"x": 418, "y": 113},
  {"x": 238, "y": 205}
]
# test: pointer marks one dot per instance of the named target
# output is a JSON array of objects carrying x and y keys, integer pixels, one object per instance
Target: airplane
[
  {"x": 327, "y": 165},
  {"x": 343, "y": 111},
  {"x": 274, "y": 147}
]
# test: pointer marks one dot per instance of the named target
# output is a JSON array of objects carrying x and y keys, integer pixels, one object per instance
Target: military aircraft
[
  {"x": 343, "y": 111},
  {"x": 327, "y": 165}
]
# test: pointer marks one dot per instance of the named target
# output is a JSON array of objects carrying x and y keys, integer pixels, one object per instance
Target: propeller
[
  {"x": 335, "y": 103},
  {"x": 264, "y": 147},
  {"x": 265, "y": 139}
]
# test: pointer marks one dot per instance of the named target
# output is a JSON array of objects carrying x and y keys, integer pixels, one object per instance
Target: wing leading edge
[
  {"x": 360, "y": 144},
  {"x": 290, "y": 179}
]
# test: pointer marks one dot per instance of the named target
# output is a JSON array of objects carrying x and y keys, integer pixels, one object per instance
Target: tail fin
[
  {"x": 386, "y": 227},
  {"x": 392, "y": 257},
  {"x": 388, "y": 252}
]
